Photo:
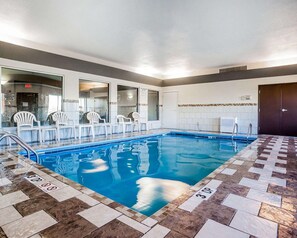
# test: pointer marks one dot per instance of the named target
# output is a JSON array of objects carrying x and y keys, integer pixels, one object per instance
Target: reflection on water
[
  {"x": 145, "y": 174},
  {"x": 153, "y": 190}
]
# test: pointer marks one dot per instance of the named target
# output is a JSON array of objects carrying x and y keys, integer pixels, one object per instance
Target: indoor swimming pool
[{"x": 143, "y": 174}]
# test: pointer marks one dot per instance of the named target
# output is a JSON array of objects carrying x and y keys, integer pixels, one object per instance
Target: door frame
[
  {"x": 177, "y": 98},
  {"x": 258, "y": 129}
]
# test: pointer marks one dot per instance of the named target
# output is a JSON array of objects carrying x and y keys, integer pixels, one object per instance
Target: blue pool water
[{"x": 143, "y": 174}]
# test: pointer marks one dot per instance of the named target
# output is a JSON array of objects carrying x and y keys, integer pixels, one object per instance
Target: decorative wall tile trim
[
  {"x": 160, "y": 105},
  {"x": 217, "y": 104},
  {"x": 142, "y": 104},
  {"x": 71, "y": 100},
  {"x": 113, "y": 103}
]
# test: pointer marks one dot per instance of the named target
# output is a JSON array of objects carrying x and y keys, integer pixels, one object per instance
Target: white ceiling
[{"x": 162, "y": 38}]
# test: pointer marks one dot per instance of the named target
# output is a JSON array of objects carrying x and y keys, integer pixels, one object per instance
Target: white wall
[
  {"x": 203, "y": 96},
  {"x": 71, "y": 87}
]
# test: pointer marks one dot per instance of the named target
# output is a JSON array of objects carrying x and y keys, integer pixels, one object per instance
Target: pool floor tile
[
  {"x": 8, "y": 214},
  {"x": 4, "y": 181},
  {"x": 115, "y": 228},
  {"x": 87, "y": 199},
  {"x": 242, "y": 203},
  {"x": 38, "y": 203},
  {"x": 29, "y": 225},
  {"x": 134, "y": 224},
  {"x": 213, "y": 229},
  {"x": 254, "y": 225},
  {"x": 100, "y": 214},
  {"x": 262, "y": 186},
  {"x": 185, "y": 223},
  {"x": 228, "y": 171},
  {"x": 251, "y": 183},
  {"x": 286, "y": 232},
  {"x": 12, "y": 198},
  {"x": 74, "y": 227},
  {"x": 149, "y": 222},
  {"x": 279, "y": 215},
  {"x": 157, "y": 231},
  {"x": 219, "y": 213},
  {"x": 265, "y": 197},
  {"x": 67, "y": 208},
  {"x": 64, "y": 193}
]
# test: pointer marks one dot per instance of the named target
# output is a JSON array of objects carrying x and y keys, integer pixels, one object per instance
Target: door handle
[{"x": 284, "y": 110}]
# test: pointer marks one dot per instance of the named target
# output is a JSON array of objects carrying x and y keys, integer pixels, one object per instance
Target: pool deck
[{"x": 254, "y": 194}]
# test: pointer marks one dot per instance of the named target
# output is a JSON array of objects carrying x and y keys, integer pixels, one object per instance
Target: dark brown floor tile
[
  {"x": 35, "y": 204},
  {"x": 283, "y": 191},
  {"x": 181, "y": 199},
  {"x": 256, "y": 165},
  {"x": 75, "y": 227},
  {"x": 2, "y": 234},
  {"x": 286, "y": 232},
  {"x": 15, "y": 166},
  {"x": 219, "y": 213},
  {"x": 183, "y": 222},
  {"x": 31, "y": 190},
  {"x": 15, "y": 186},
  {"x": 278, "y": 215},
  {"x": 67, "y": 208},
  {"x": 280, "y": 165},
  {"x": 289, "y": 203},
  {"x": 114, "y": 205},
  {"x": 115, "y": 229},
  {"x": 234, "y": 188},
  {"x": 174, "y": 234},
  {"x": 252, "y": 175}
]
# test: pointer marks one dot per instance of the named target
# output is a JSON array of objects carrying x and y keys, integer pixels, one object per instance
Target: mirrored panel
[
  {"x": 153, "y": 105},
  {"x": 127, "y": 100},
  {"x": 38, "y": 93},
  {"x": 93, "y": 96}
]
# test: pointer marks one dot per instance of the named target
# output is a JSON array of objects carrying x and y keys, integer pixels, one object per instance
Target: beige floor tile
[
  {"x": 4, "y": 181},
  {"x": 157, "y": 231},
  {"x": 134, "y": 224},
  {"x": 9, "y": 214},
  {"x": 29, "y": 225},
  {"x": 149, "y": 222},
  {"x": 100, "y": 214},
  {"x": 254, "y": 225},
  {"x": 242, "y": 203},
  {"x": 12, "y": 198},
  {"x": 87, "y": 199},
  {"x": 213, "y": 229},
  {"x": 64, "y": 193}
]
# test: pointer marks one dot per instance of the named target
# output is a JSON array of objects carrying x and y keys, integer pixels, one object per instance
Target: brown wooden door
[
  {"x": 289, "y": 109},
  {"x": 278, "y": 109}
]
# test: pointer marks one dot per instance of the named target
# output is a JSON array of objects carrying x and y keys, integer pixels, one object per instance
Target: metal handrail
[
  {"x": 249, "y": 132},
  {"x": 235, "y": 130},
  {"x": 20, "y": 142}
]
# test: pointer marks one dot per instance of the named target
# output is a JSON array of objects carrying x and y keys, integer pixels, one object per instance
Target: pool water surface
[{"x": 143, "y": 174}]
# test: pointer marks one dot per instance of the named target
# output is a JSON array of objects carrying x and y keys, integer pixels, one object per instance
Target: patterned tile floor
[{"x": 254, "y": 194}]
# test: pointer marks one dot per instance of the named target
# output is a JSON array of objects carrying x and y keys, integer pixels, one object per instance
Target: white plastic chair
[
  {"x": 95, "y": 119},
  {"x": 25, "y": 122},
  {"x": 63, "y": 122},
  {"x": 139, "y": 121},
  {"x": 124, "y": 122}
]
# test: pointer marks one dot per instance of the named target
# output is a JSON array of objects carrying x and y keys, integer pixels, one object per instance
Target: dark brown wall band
[
  {"x": 20, "y": 53},
  {"x": 247, "y": 74}
]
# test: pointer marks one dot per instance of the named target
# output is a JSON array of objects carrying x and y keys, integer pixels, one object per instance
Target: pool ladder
[
  {"x": 235, "y": 130},
  {"x": 249, "y": 132},
  {"x": 19, "y": 141}
]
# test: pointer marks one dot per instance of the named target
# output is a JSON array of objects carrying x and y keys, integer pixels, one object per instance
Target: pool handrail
[{"x": 20, "y": 142}]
